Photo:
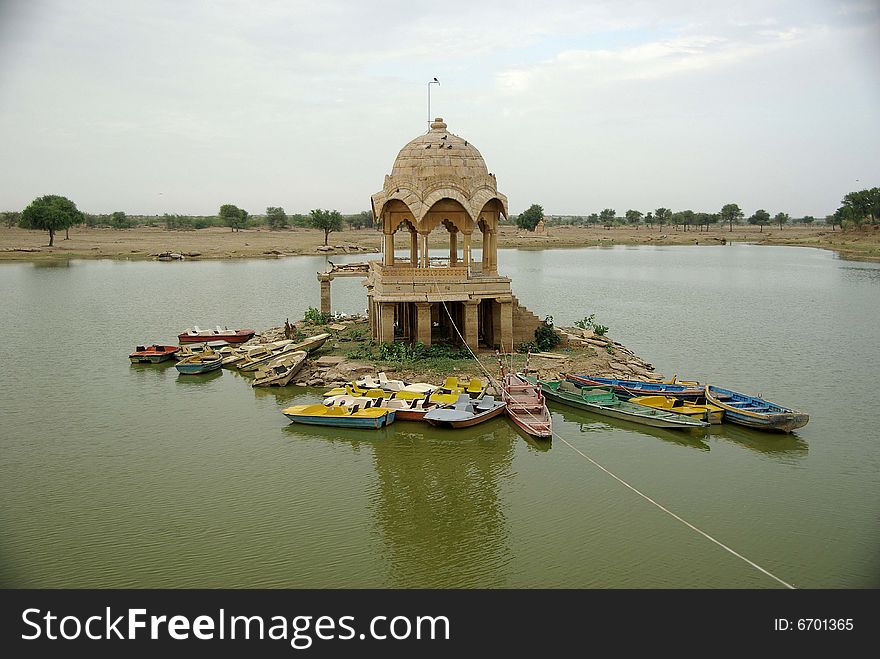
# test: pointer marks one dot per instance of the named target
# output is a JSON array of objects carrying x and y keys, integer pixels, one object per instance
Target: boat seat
[
  {"x": 486, "y": 403},
  {"x": 195, "y": 329}
]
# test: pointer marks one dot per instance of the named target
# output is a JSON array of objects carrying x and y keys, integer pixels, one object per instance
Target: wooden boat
[
  {"x": 152, "y": 354},
  {"x": 602, "y": 400},
  {"x": 234, "y": 354},
  {"x": 281, "y": 370},
  {"x": 466, "y": 412},
  {"x": 626, "y": 389},
  {"x": 202, "y": 362},
  {"x": 526, "y": 406},
  {"x": 755, "y": 412},
  {"x": 257, "y": 359},
  {"x": 312, "y": 343},
  {"x": 710, "y": 413},
  {"x": 196, "y": 335},
  {"x": 340, "y": 416},
  {"x": 406, "y": 410}
]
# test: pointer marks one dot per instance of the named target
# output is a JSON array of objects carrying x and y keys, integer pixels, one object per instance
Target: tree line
[
  {"x": 55, "y": 213},
  {"x": 857, "y": 209}
]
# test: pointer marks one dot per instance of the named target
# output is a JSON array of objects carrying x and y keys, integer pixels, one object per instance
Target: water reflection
[
  {"x": 768, "y": 443},
  {"x": 437, "y": 500},
  {"x": 197, "y": 380},
  {"x": 594, "y": 423}
]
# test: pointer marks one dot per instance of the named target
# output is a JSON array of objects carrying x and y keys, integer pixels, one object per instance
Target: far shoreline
[{"x": 146, "y": 243}]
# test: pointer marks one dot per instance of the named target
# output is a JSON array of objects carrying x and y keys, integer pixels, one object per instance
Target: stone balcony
[{"x": 401, "y": 282}]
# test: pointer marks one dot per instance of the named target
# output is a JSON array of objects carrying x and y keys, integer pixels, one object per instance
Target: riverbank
[
  {"x": 146, "y": 243},
  {"x": 349, "y": 354}
]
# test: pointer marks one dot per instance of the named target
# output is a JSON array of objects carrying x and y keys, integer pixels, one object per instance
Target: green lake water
[{"x": 113, "y": 475}]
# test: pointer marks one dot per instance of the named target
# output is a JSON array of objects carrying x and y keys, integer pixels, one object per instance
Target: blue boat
[
  {"x": 340, "y": 416},
  {"x": 755, "y": 412},
  {"x": 202, "y": 362},
  {"x": 626, "y": 389}
]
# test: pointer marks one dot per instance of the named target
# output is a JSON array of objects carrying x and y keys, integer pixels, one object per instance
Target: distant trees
[
  {"x": 10, "y": 218},
  {"x": 327, "y": 221},
  {"x": 831, "y": 220},
  {"x": 649, "y": 218},
  {"x": 362, "y": 220},
  {"x": 731, "y": 213},
  {"x": 760, "y": 217},
  {"x": 530, "y": 217},
  {"x": 781, "y": 218},
  {"x": 276, "y": 218},
  {"x": 808, "y": 220},
  {"x": 50, "y": 213},
  {"x": 233, "y": 217},
  {"x": 633, "y": 218},
  {"x": 119, "y": 220}
]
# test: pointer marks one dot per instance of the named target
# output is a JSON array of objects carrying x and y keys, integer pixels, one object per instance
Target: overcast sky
[{"x": 153, "y": 106}]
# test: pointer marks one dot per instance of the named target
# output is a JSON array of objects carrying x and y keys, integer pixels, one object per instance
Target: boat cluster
[{"x": 274, "y": 363}]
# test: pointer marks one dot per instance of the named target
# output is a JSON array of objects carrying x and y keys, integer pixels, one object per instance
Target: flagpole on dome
[{"x": 432, "y": 82}]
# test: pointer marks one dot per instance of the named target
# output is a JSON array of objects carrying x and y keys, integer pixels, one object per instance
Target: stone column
[
  {"x": 386, "y": 322},
  {"x": 453, "y": 247},
  {"x": 493, "y": 251},
  {"x": 471, "y": 323},
  {"x": 487, "y": 246},
  {"x": 413, "y": 248},
  {"x": 389, "y": 249},
  {"x": 466, "y": 250},
  {"x": 423, "y": 322},
  {"x": 325, "y": 292},
  {"x": 507, "y": 325},
  {"x": 423, "y": 261}
]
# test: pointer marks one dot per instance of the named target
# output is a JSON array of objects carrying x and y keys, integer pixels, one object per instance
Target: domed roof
[{"x": 439, "y": 153}]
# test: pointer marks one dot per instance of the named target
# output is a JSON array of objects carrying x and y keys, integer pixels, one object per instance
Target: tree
[
  {"x": 662, "y": 215},
  {"x": 781, "y": 218},
  {"x": 858, "y": 207},
  {"x": 607, "y": 216},
  {"x": 119, "y": 220},
  {"x": 731, "y": 213},
  {"x": 530, "y": 217},
  {"x": 276, "y": 218},
  {"x": 327, "y": 221},
  {"x": 760, "y": 217},
  {"x": 634, "y": 217},
  {"x": 831, "y": 220},
  {"x": 649, "y": 218},
  {"x": 593, "y": 218},
  {"x": 50, "y": 213},
  {"x": 233, "y": 217},
  {"x": 808, "y": 220}
]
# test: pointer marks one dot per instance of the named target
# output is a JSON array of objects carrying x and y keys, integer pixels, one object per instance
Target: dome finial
[{"x": 438, "y": 124}]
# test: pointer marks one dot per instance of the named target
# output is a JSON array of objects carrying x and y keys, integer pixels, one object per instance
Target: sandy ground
[{"x": 214, "y": 243}]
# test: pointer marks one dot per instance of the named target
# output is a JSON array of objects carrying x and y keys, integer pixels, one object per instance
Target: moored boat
[
  {"x": 279, "y": 371},
  {"x": 466, "y": 412},
  {"x": 602, "y": 400},
  {"x": 405, "y": 410},
  {"x": 202, "y": 362},
  {"x": 196, "y": 335},
  {"x": 340, "y": 416},
  {"x": 526, "y": 405},
  {"x": 710, "y": 413},
  {"x": 755, "y": 412},
  {"x": 626, "y": 389},
  {"x": 152, "y": 354}
]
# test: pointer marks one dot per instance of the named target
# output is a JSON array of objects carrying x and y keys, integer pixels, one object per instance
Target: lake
[{"x": 114, "y": 475}]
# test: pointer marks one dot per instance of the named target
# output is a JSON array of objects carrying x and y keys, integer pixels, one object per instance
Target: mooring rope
[{"x": 608, "y": 471}]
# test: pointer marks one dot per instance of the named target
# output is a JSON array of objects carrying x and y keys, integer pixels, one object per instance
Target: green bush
[
  {"x": 315, "y": 317},
  {"x": 546, "y": 338},
  {"x": 590, "y": 323}
]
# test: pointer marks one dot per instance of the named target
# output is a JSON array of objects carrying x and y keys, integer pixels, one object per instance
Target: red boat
[
  {"x": 152, "y": 354},
  {"x": 196, "y": 335},
  {"x": 526, "y": 406}
]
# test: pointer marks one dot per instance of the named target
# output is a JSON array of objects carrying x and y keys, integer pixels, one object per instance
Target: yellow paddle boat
[
  {"x": 340, "y": 416},
  {"x": 710, "y": 413}
]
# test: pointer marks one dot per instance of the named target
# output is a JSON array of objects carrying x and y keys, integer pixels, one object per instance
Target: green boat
[{"x": 602, "y": 400}]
